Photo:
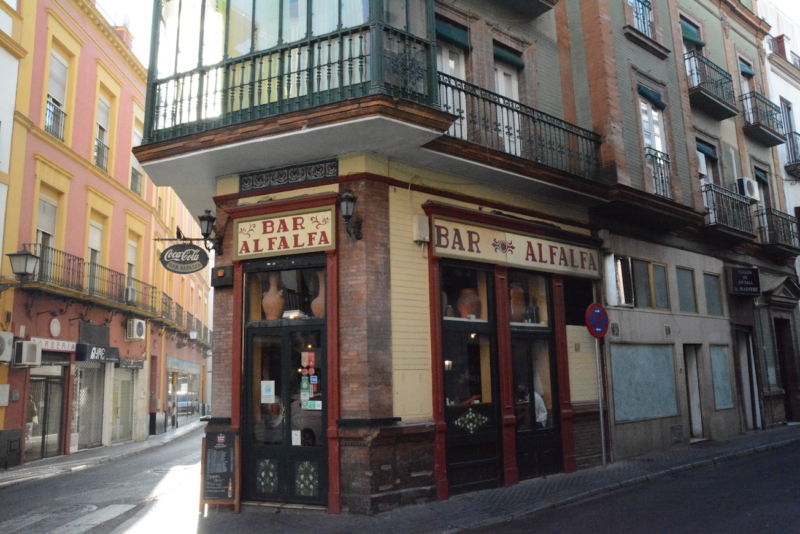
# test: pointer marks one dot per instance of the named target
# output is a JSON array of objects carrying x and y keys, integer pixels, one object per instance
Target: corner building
[{"x": 430, "y": 339}]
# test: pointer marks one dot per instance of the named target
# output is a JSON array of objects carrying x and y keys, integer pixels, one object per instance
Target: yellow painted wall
[{"x": 582, "y": 364}]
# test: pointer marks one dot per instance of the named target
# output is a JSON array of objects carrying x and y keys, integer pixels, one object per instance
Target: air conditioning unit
[
  {"x": 136, "y": 330},
  {"x": 129, "y": 295},
  {"x": 27, "y": 354},
  {"x": 748, "y": 188},
  {"x": 6, "y": 346}
]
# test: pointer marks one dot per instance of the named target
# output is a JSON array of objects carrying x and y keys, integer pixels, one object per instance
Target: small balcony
[
  {"x": 140, "y": 295},
  {"x": 762, "y": 120},
  {"x": 728, "y": 214},
  {"x": 658, "y": 163},
  {"x": 101, "y": 154},
  {"x": 105, "y": 283},
  {"x": 54, "y": 120},
  {"x": 179, "y": 315},
  {"x": 793, "y": 155},
  {"x": 778, "y": 232},
  {"x": 166, "y": 307},
  {"x": 189, "y": 321},
  {"x": 499, "y": 123},
  {"x": 57, "y": 268},
  {"x": 531, "y": 8},
  {"x": 710, "y": 87}
]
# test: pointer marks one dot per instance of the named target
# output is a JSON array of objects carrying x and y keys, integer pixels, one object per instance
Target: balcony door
[
  {"x": 450, "y": 60},
  {"x": 509, "y": 121}
]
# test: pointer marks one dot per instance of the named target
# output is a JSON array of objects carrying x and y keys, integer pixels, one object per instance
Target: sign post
[{"x": 597, "y": 324}]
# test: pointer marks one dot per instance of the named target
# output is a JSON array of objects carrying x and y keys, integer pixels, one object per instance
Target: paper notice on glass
[
  {"x": 267, "y": 392},
  {"x": 296, "y": 437}
]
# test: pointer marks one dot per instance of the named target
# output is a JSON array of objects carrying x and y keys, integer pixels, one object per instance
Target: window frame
[
  {"x": 622, "y": 285},
  {"x": 718, "y": 277},
  {"x": 694, "y": 289}
]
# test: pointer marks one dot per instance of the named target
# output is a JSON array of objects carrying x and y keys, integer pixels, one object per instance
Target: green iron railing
[
  {"x": 726, "y": 208},
  {"x": 704, "y": 74},
  {"x": 758, "y": 110}
]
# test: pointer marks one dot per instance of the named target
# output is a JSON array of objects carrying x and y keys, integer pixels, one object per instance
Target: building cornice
[
  {"x": 90, "y": 12},
  {"x": 12, "y": 47},
  {"x": 746, "y": 17},
  {"x": 784, "y": 68}
]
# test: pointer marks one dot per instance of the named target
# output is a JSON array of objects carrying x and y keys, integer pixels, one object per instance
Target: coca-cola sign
[{"x": 184, "y": 258}]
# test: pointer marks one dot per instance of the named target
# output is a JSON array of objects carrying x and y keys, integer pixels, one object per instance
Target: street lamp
[
  {"x": 347, "y": 203},
  {"x": 23, "y": 263}
]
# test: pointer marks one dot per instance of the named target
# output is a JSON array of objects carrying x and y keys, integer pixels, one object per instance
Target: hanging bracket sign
[{"x": 184, "y": 258}]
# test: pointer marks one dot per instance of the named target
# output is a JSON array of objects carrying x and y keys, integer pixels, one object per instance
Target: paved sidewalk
[
  {"x": 58, "y": 465},
  {"x": 490, "y": 507}
]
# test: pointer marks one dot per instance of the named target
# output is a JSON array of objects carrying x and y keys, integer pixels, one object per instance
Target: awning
[
  {"x": 691, "y": 34},
  {"x": 707, "y": 150},
  {"x": 652, "y": 97},
  {"x": 761, "y": 176},
  {"x": 746, "y": 70},
  {"x": 505, "y": 56},
  {"x": 452, "y": 34}
]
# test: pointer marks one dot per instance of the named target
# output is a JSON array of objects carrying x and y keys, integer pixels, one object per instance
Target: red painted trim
[
  {"x": 237, "y": 332},
  {"x": 334, "y": 399},
  {"x": 509, "y": 434},
  {"x": 69, "y": 383},
  {"x": 508, "y": 223},
  {"x": 254, "y": 210},
  {"x": 413, "y": 187},
  {"x": 562, "y": 368},
  {"x": 437, "y": 379}
]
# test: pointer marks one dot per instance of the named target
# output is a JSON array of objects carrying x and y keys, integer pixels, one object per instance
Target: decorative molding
[
  {"x": 270, "y": 179},
  {"x": 12, "y": 47}
]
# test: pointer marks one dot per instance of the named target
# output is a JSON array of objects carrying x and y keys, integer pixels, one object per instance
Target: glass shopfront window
[
  {"x": 527, "y": 299},
  {"x": 290, "y": 294},
  {"x": 464, "y": 295}
]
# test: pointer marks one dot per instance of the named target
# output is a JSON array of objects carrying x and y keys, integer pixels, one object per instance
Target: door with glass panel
[
  {"x": 44, "y": 412},
  {"x": 450, "y": 61},
  {"x": 508, "y": 119},
  {"x": 284, "y": 402},
  {"x": 470, "y": 381}
]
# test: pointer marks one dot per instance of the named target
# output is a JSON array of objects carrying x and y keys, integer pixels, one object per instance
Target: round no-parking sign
[{"x": 597, "y": 321}]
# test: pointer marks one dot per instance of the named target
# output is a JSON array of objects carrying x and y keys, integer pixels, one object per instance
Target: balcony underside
[
  {"x": 531, "y": 8},
  {"x": 634, "y": 207},
  {"x": 764, "y": 135},
  {"x": 793, "y": 169},
  {"x": 781, "y": 250},
  {"x": 727, "y": 234},
  {"x": 374, "y": 124},
  {"x": 712, "y": 105}
]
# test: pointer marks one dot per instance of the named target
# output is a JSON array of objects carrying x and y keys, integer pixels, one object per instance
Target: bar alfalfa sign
[
  {"x": 452, "y": 239},
  {"x": 184, "y": 258},
  {"x": 288, "y": 233}
]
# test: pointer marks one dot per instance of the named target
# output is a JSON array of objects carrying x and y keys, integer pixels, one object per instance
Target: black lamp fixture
[
  {"x": 207, "y": 221},
  {"x": 23, "y": 264},
  {"x": 347, "y": 203}
]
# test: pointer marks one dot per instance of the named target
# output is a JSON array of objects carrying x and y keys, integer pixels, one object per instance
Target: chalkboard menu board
[{"x": 220, "y": 471}]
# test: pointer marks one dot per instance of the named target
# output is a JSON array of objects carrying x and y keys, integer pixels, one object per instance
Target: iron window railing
[
  {"x": 758, "y": 110},
  {"x": 54, "y": 120},
  {"x": 643, "y": 16},
  {"x": 136, "y": 181},
  {"x": 101, "y": 154},
  {"x": 704, "y": 74},
  {"x": 166, "y": 306},
  {"x": 291, "y": 77},
  {"x": 792, "y": 148},
  {"x": 140, "y": 294},
  {"x": 189, "y": 321},
  {"x": 658, "y": 163},
  {"x": 105, "y": 283},
  {"x": 726, "y": 208},
  {"x": 179, "y": 315},
  {"x": 777, "y": 228},
  {"x": 57, "y": 268},
  {"x": 497, "y": 122}
]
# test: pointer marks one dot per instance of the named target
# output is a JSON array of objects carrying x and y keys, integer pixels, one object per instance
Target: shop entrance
[
  {"x": 786, "y": 363},
  {"x": 45, "y": 397},
  {"x": 285, "y": 446}
]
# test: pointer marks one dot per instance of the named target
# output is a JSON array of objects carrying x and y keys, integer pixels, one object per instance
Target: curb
[{"x": 98, "y": 461}]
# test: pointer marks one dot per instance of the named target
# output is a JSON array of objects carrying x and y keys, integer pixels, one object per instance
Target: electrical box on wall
[
  {"x": 5, "y": 389},
  {"x": 420, "y": 229},
  {"x": 222, "y": 276}
]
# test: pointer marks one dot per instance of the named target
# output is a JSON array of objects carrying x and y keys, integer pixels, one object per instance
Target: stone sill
[{"x": 649, "y": 44}]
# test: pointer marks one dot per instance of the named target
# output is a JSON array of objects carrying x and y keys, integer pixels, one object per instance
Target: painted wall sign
[
  {"x": 745, "y": 281},
  {"x": 54, "y": 345},
  {"x": 464, "y": 241},
  {"x": 184, "y": 258},
  {"x": 94, "y": 353},
  {"x": 292, "y": 233}
]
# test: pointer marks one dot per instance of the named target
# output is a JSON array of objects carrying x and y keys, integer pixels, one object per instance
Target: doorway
[
  {"x": 691, "y": 366},
  {"x": 45, "y": 407},
  {"x": 285, "y": 444},
  {"x": 786, "y": 361},
  {"x": 747, "y": 368}
]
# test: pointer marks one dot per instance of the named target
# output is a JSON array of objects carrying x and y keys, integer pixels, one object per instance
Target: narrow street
[{"x": 154, "y": 492}]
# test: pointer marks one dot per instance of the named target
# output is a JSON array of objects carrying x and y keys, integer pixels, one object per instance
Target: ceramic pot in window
[
  {"x": 318, "y": 304},
  {"x": 468, "y": 303},
  {"x": 516, "y": 301},
  {"x": 272, "y": 301}
]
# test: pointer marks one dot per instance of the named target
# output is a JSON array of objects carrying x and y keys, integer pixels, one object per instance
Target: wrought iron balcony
[
  {"x": 643, "y": 16},
  {"x": 727, "y": 210},
  {"x": 793, "y": 154},
  {"x": 494, "y": 121},
  {"x": 778, "y": 230},
  {"x": 140, "y": 294},
  {"x": 291, "y": 77},
  {"x": 179, "y": 315},
  {"x": 57, "y": 268},
  {"x": 710, "y": 87},
  {"x": 136, "y": 181},
  {"x": 189, "y": 321},
  {"x": 166, "y": 307},
  {"x": 101, "y": 154},
  {"x": 105, "y": 283},
  {"x": 762, "y": 119},
  {"x": 54, "y": 120},
  {"x": 658, "y": 163}
]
